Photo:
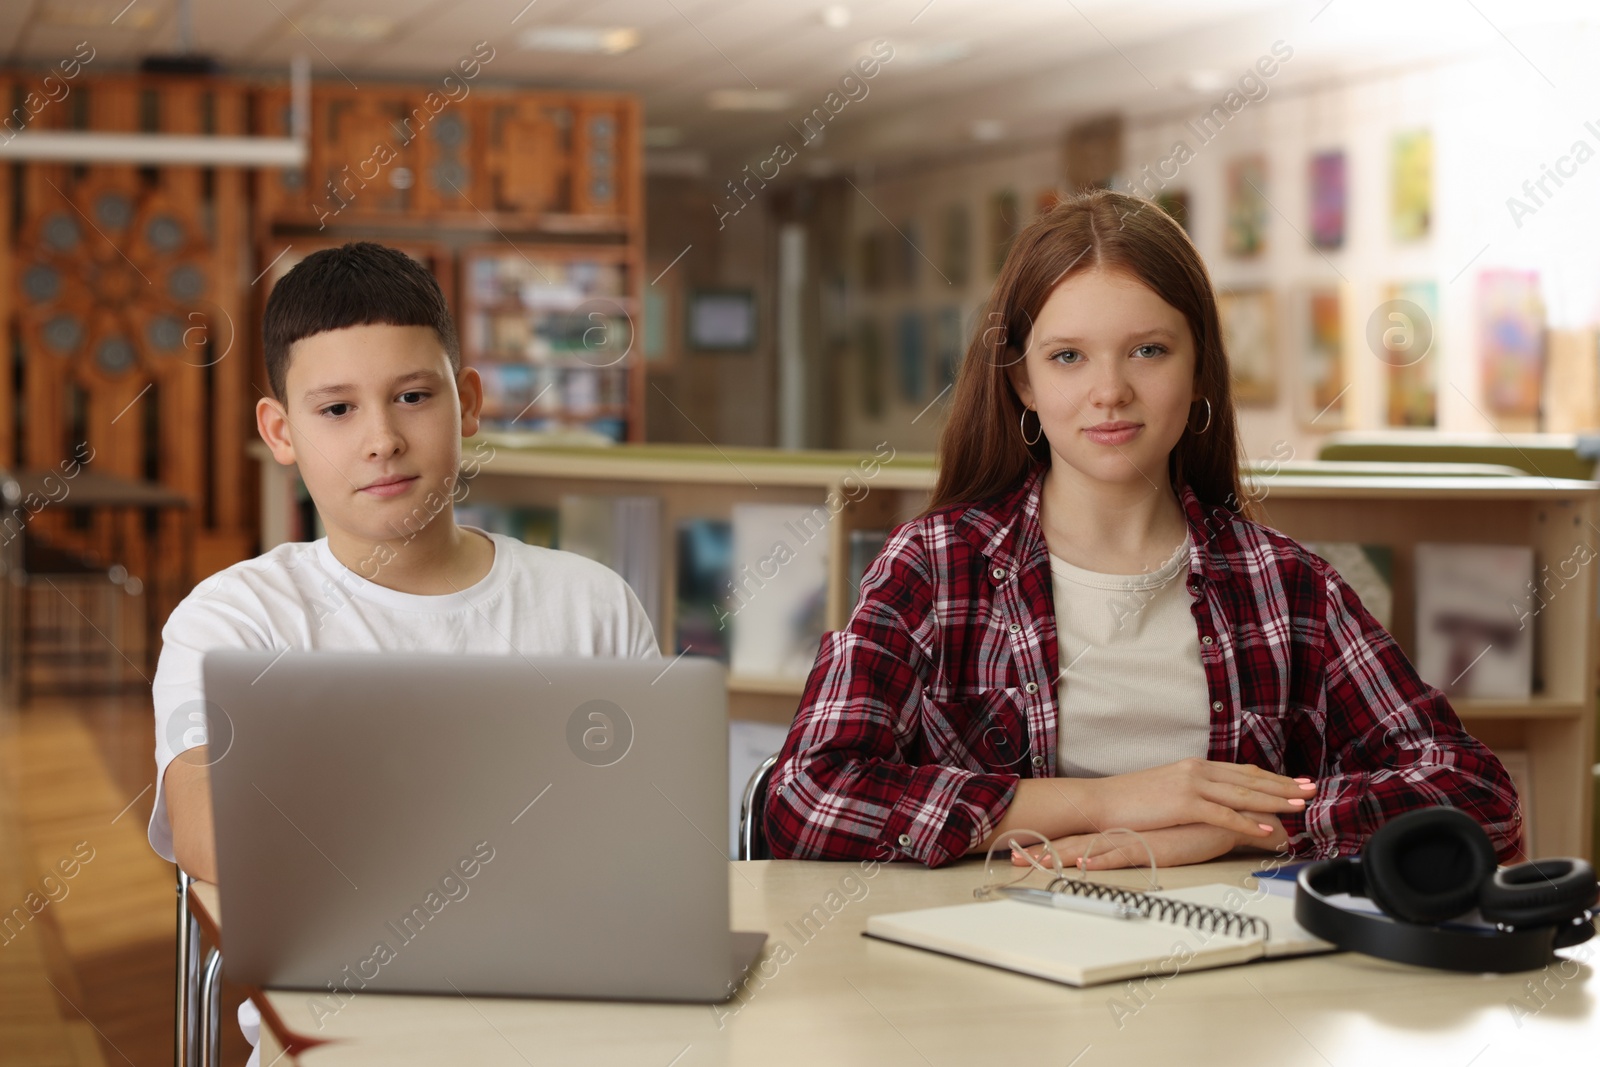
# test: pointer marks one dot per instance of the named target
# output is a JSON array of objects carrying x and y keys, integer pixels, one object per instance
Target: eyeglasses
[{"x": 1003, "y": 874}]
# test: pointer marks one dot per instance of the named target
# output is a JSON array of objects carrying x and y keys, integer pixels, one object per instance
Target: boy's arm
[
  {"x": 188, "y": 787},
  {"x": 180, "y": 824}
]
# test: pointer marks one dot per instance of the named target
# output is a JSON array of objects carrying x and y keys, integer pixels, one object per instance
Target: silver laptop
[{"x": 474, "y": 824}]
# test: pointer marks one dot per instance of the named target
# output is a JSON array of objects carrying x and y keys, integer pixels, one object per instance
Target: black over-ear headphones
[{"x": 1435, "y": 864}]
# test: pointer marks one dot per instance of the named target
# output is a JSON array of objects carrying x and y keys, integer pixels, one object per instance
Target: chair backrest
[{"x": 752, "y": 827}]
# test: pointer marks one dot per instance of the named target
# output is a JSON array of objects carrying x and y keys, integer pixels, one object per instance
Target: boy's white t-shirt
[{"x": 533, "y": 601}]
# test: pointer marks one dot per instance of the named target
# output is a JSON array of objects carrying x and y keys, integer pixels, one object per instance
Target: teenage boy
[{"x": 370, "y": 400}]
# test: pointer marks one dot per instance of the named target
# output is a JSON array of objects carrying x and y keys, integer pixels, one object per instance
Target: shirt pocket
[
  {"x": 984, "y": 730},
  {"x": 1267, "y": 736}
]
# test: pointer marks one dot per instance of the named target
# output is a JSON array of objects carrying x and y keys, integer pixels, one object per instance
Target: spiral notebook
[{"x": 1182, "y": 929}]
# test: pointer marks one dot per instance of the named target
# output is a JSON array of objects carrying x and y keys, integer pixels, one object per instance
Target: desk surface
[{"x": 835, "y": 997}]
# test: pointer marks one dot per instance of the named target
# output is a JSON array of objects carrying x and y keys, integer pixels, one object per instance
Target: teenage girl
[{"x": 1086, "y": 629}]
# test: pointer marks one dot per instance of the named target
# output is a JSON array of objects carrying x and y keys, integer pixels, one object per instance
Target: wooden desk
[
  {"x": 834, "y": 997},
  {"x": 136, "y": 509}
]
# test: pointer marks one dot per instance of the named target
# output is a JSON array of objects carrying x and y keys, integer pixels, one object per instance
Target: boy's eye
[
  {"x": 417, "y": 396},
  {"x": 335, "y": 410}
]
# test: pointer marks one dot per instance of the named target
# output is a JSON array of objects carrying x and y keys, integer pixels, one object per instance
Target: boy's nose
[{"x": 384, "y": 440}]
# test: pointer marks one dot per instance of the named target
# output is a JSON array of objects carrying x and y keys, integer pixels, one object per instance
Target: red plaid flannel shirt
[{"x": 921, "y": 715}]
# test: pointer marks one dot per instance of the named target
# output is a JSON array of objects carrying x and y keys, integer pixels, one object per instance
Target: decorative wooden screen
[
  {"x": 127, "y": 292},
  {"x": 126, "y": 287}
]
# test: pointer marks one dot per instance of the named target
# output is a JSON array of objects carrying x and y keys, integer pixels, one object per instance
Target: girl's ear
[{"x": 1017, "y": 374}]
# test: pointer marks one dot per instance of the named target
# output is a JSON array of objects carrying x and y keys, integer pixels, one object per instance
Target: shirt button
[
  {"x": 1031, "y": 687},
  {"x": 1015, "y": 628},
  {"x": 1038, "y": 761},
  {"x": 1216, "y": 705},
  {"x": 1206, "y": 640},
  {"x": 1334, "y": 853},
  {"x": 905, "y": 840},
  {"x": 998, "y": 573}
]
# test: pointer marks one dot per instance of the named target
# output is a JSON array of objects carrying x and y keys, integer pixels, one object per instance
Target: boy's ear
[
  {"x": 272, "y": 423},
  {"x": 469, "y": 384}
]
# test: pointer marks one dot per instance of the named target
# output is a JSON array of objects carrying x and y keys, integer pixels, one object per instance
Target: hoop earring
[
  {"x": 1207, "y": 426},
  {"x": 1022, "y": 424}
]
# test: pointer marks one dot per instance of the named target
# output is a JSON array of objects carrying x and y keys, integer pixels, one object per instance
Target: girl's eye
[
  {"x": 1066, "y": 356},
  {"x": 1152, "y": 349},
  {"x": 335, "y": 410},
  {"x": 420, "y": 396}
]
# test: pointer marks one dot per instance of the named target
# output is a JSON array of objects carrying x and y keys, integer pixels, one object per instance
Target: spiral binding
[{"x": 1194, "y": 916}]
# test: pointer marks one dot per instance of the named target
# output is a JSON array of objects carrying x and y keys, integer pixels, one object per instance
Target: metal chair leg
[
  {"x": 211, "y": 1010},
  {"x": 187, "y": 1007}
]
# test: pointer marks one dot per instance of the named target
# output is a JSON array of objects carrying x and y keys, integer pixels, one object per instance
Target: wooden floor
[{"x": 87, "y": 962}]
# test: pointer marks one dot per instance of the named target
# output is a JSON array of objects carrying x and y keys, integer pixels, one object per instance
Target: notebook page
[{"x": 1064, "y": 946}]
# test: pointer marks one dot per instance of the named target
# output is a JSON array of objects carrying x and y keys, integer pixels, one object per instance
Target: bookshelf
[
  {"x": 1395, "y": 504},
  {"x": 550, "y": 329}
]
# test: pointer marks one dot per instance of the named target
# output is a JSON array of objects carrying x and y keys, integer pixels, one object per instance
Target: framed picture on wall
[
  {"x": 1004, "y": 222},
  {"x": 1411, "y": 185},
  {"x": 1249, "y": 337},
  {"x": 947, "y": 346},
  {"x": 955, "y": 250},
  {"x": 1327, "y": 199},
  {"x": 1407, "y": 345},
  {"x": 869, "y": 366},
  {"x": 722, "y": 320},
  {"x": 658, "y": 349},
  {"x": 869, "y": 262},
  {"x": 906, "y": 254},
  {"x": 1175, "y": 202},
  {"x": 1511, "y": 341},
  {"x": 1323, "y": 382},
  {"x": 909, "y": 358},
  {"x": 1246, "y": 234}
]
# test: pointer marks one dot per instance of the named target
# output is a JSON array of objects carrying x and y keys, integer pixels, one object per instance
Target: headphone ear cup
[
  {"x": 1427, "y": 866},
  {"x": 1541, "y": 893}
]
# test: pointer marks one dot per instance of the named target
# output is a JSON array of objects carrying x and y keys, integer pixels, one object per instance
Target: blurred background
[{"x": 742, "y": 229}]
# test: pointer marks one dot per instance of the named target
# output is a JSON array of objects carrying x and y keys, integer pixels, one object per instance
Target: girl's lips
[
  {"x": 1113, "y": 437},
  {"x": 390, "y": 488}
]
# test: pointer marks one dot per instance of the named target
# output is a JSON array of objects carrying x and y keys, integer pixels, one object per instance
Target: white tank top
[{"x": 1132, "y": 692}]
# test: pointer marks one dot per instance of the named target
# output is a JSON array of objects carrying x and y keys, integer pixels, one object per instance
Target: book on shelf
[
  {"x": 1175, "y": 930},
  {"x": 864, "y": 548},
  {"x": 532, "y": 525},
  {"x": 1367, "y": 569},
  {"x": 1475, "y": 607},
  {"x": 622, "y": 532},
  {"x": 549, "y": 330},
  {"x": 705, "y": 578},
  {"x": 536, "y": 526},
  {"x": 779, "y": 591}
]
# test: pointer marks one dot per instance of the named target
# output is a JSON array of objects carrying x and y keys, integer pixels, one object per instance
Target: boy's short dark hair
[{"x": 358, "y": 284}]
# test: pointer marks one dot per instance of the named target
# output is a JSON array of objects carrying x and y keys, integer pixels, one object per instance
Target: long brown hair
[{"x": 981, "y": 450}]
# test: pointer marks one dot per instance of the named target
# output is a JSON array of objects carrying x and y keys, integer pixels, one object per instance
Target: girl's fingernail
[
  {"x": 1302, "y": 780},
  {"x": 1297, "y": 803},
  {"x": 1307, "y": 785},
  {"x": 1264, "y": 827}
]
